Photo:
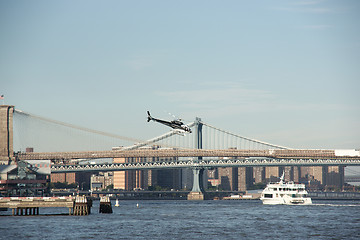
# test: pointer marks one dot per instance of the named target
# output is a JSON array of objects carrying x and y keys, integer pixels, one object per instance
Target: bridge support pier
[{"x": 197, "y": 192}]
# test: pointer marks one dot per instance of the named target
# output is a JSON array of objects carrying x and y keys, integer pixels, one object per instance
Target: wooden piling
[
  {"x": 82, "y": 206},
  {"x": 105, "y": 205}
]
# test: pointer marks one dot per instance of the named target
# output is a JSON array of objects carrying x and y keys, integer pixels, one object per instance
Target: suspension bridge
[
  {"x": 206, "y": 147},
  {"x": 207, "y": 141}
]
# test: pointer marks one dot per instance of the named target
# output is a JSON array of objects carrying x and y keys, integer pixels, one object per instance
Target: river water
[{"x": 239, "y": 219}]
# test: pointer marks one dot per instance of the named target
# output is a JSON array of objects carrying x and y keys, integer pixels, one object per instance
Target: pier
[{"x": 24, "y": 206}]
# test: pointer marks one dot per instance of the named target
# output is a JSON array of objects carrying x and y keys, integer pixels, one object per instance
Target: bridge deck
[{"x": 142, "y": 153}]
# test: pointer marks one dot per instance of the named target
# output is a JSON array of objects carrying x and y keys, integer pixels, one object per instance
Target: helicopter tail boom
[{"x": 149, "y": 117}]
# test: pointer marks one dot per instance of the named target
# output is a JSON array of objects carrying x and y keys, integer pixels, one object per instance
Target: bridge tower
[
  {"x": 198, "y": 134},
  {"x": 197, "y": 192},
  {"x": 6, "y": 134}
]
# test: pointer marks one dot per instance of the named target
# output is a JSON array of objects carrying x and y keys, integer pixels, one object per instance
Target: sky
[{"x": 285, "y": 72}]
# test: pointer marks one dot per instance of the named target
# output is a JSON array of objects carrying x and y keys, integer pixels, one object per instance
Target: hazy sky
[{"x": 285, "y": 72}]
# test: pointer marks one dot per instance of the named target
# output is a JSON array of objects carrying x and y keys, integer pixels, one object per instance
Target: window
[{"x": 268, "y": 195}]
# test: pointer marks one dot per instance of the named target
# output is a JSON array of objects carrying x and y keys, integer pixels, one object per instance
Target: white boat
[{"x": 285, "y": 193}]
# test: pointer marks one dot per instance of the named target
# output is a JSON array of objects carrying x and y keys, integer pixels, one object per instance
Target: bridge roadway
[
  {"x": 145, "y": 153},
  {"x": 220, "y": 158},
  {"x": 204, "y": 163}
]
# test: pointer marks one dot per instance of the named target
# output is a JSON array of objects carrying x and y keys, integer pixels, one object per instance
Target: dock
[{"x": 30, "y": 205}]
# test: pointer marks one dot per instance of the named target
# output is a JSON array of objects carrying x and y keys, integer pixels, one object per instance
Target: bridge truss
[{"x": 207, "y": 163}]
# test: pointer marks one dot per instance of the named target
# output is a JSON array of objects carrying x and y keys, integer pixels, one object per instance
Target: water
[{"x": 192, "y": 220}]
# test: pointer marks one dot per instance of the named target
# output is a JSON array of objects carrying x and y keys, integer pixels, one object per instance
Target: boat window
[{"x": 268, "y": 195}]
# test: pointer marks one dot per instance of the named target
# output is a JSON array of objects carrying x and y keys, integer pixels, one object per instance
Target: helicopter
[{"x": 178, "y": 125}]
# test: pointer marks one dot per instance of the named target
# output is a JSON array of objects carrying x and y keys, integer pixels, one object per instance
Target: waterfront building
[
  {"x": 228, "y": 178},
  {"x": 101, "y": 181},
  {"x": 272, "y": 174},
  {"x": 143, "y": 179},
  {"x": 81, "y": 179},
  {"x": 119, "y": 176},
  {"x": 22, "y": 179},
  {"x": 231, "y": 178},
  {"x": 63, "y": 178},
  {"x": 316, "y": 178},
  {"x": 259, "y": 174},
  {"x": 245, "y": 178},
  {"x": 319, "y": 178},
  {"x": 315, "y": 173},
  {"x": 335, "y": 177}
]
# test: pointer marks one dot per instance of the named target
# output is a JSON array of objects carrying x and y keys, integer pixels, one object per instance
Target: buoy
[
  {"x": 117, "y": 203},
  {"x": 137, "y": 205}
]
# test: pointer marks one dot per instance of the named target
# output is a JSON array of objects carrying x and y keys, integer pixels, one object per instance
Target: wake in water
[{"x": 335, "y": 205}]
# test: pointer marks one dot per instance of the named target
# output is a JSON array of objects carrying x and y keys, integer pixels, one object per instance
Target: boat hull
[{"x": 287, "y": 201}]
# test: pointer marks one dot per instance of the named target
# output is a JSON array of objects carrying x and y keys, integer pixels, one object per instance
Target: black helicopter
[{"x": 175, "y": 124}]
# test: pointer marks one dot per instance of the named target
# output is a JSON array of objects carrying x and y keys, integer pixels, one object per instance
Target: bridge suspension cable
[
  {"x": 212, "y": 137},
  {"x": 162, "y": 140},
  {"x": 155, "y": 140},
  {"x": 245, "y": 138},
  {"x": 78, "y": 127}
]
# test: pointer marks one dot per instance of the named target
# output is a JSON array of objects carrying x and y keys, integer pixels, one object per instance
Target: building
[
  {"x": 227, "y": 178},
  {"x": 316, "y": 178},
  {"x": 245, "y": 178},
  {"x": 271, "y": 174},
  {"x": 81, "y": 179},
  {"x": 63, "y": 178},
  {"x": 259, "y": 174},
  {"x": 101, "y": 181},
  {"x": 231, "y": 178},
  {"x": 23, "y": 179},
  {"x": 131, "y": 179},
  {"x": 143, "y": 179}
]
